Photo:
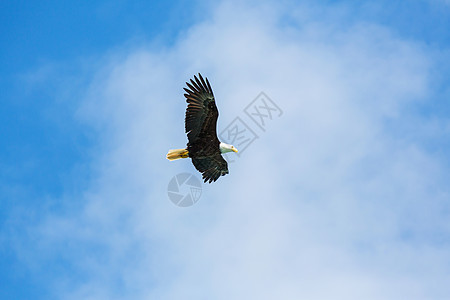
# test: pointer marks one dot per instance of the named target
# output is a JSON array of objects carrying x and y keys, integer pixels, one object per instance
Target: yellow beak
[{"x": 235, "y": 150}]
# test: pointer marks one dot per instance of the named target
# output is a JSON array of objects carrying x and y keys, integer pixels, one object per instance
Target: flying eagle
[{"x": 203, "y": 147}]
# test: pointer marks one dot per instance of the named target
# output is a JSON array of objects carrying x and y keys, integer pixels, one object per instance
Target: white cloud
[{"x": 330, "y": 202}]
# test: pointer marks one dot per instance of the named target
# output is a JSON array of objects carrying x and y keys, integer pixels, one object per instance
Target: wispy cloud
[{"x": 332, "y": 202}]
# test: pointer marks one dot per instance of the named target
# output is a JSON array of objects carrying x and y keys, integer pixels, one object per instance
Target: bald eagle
[{"x": 203, "y": 147}]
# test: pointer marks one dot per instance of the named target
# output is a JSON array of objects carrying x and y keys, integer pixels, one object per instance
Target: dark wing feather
[
  {"x": 201, "y": 113},
  {"x": 211, "y": 167}
]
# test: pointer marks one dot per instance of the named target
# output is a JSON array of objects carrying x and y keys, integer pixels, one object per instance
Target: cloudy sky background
[{"x": 345, "y": 196}]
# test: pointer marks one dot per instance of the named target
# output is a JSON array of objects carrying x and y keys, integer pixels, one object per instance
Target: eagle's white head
[{"x": 224, "y": 148}]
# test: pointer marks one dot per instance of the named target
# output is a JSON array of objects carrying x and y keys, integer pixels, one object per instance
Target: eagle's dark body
[{"x": 200, "y": 125}]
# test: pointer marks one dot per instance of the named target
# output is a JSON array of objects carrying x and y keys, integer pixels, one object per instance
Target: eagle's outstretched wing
[
  {"x": 211, "y": 167},
  {"x": 201, "y": 112}
]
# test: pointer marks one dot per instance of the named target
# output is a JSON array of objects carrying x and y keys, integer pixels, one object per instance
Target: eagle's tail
[{"x": 177, "y": 154}]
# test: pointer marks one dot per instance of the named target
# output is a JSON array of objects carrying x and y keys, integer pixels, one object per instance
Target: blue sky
[{"x": 345, "y": 197}]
